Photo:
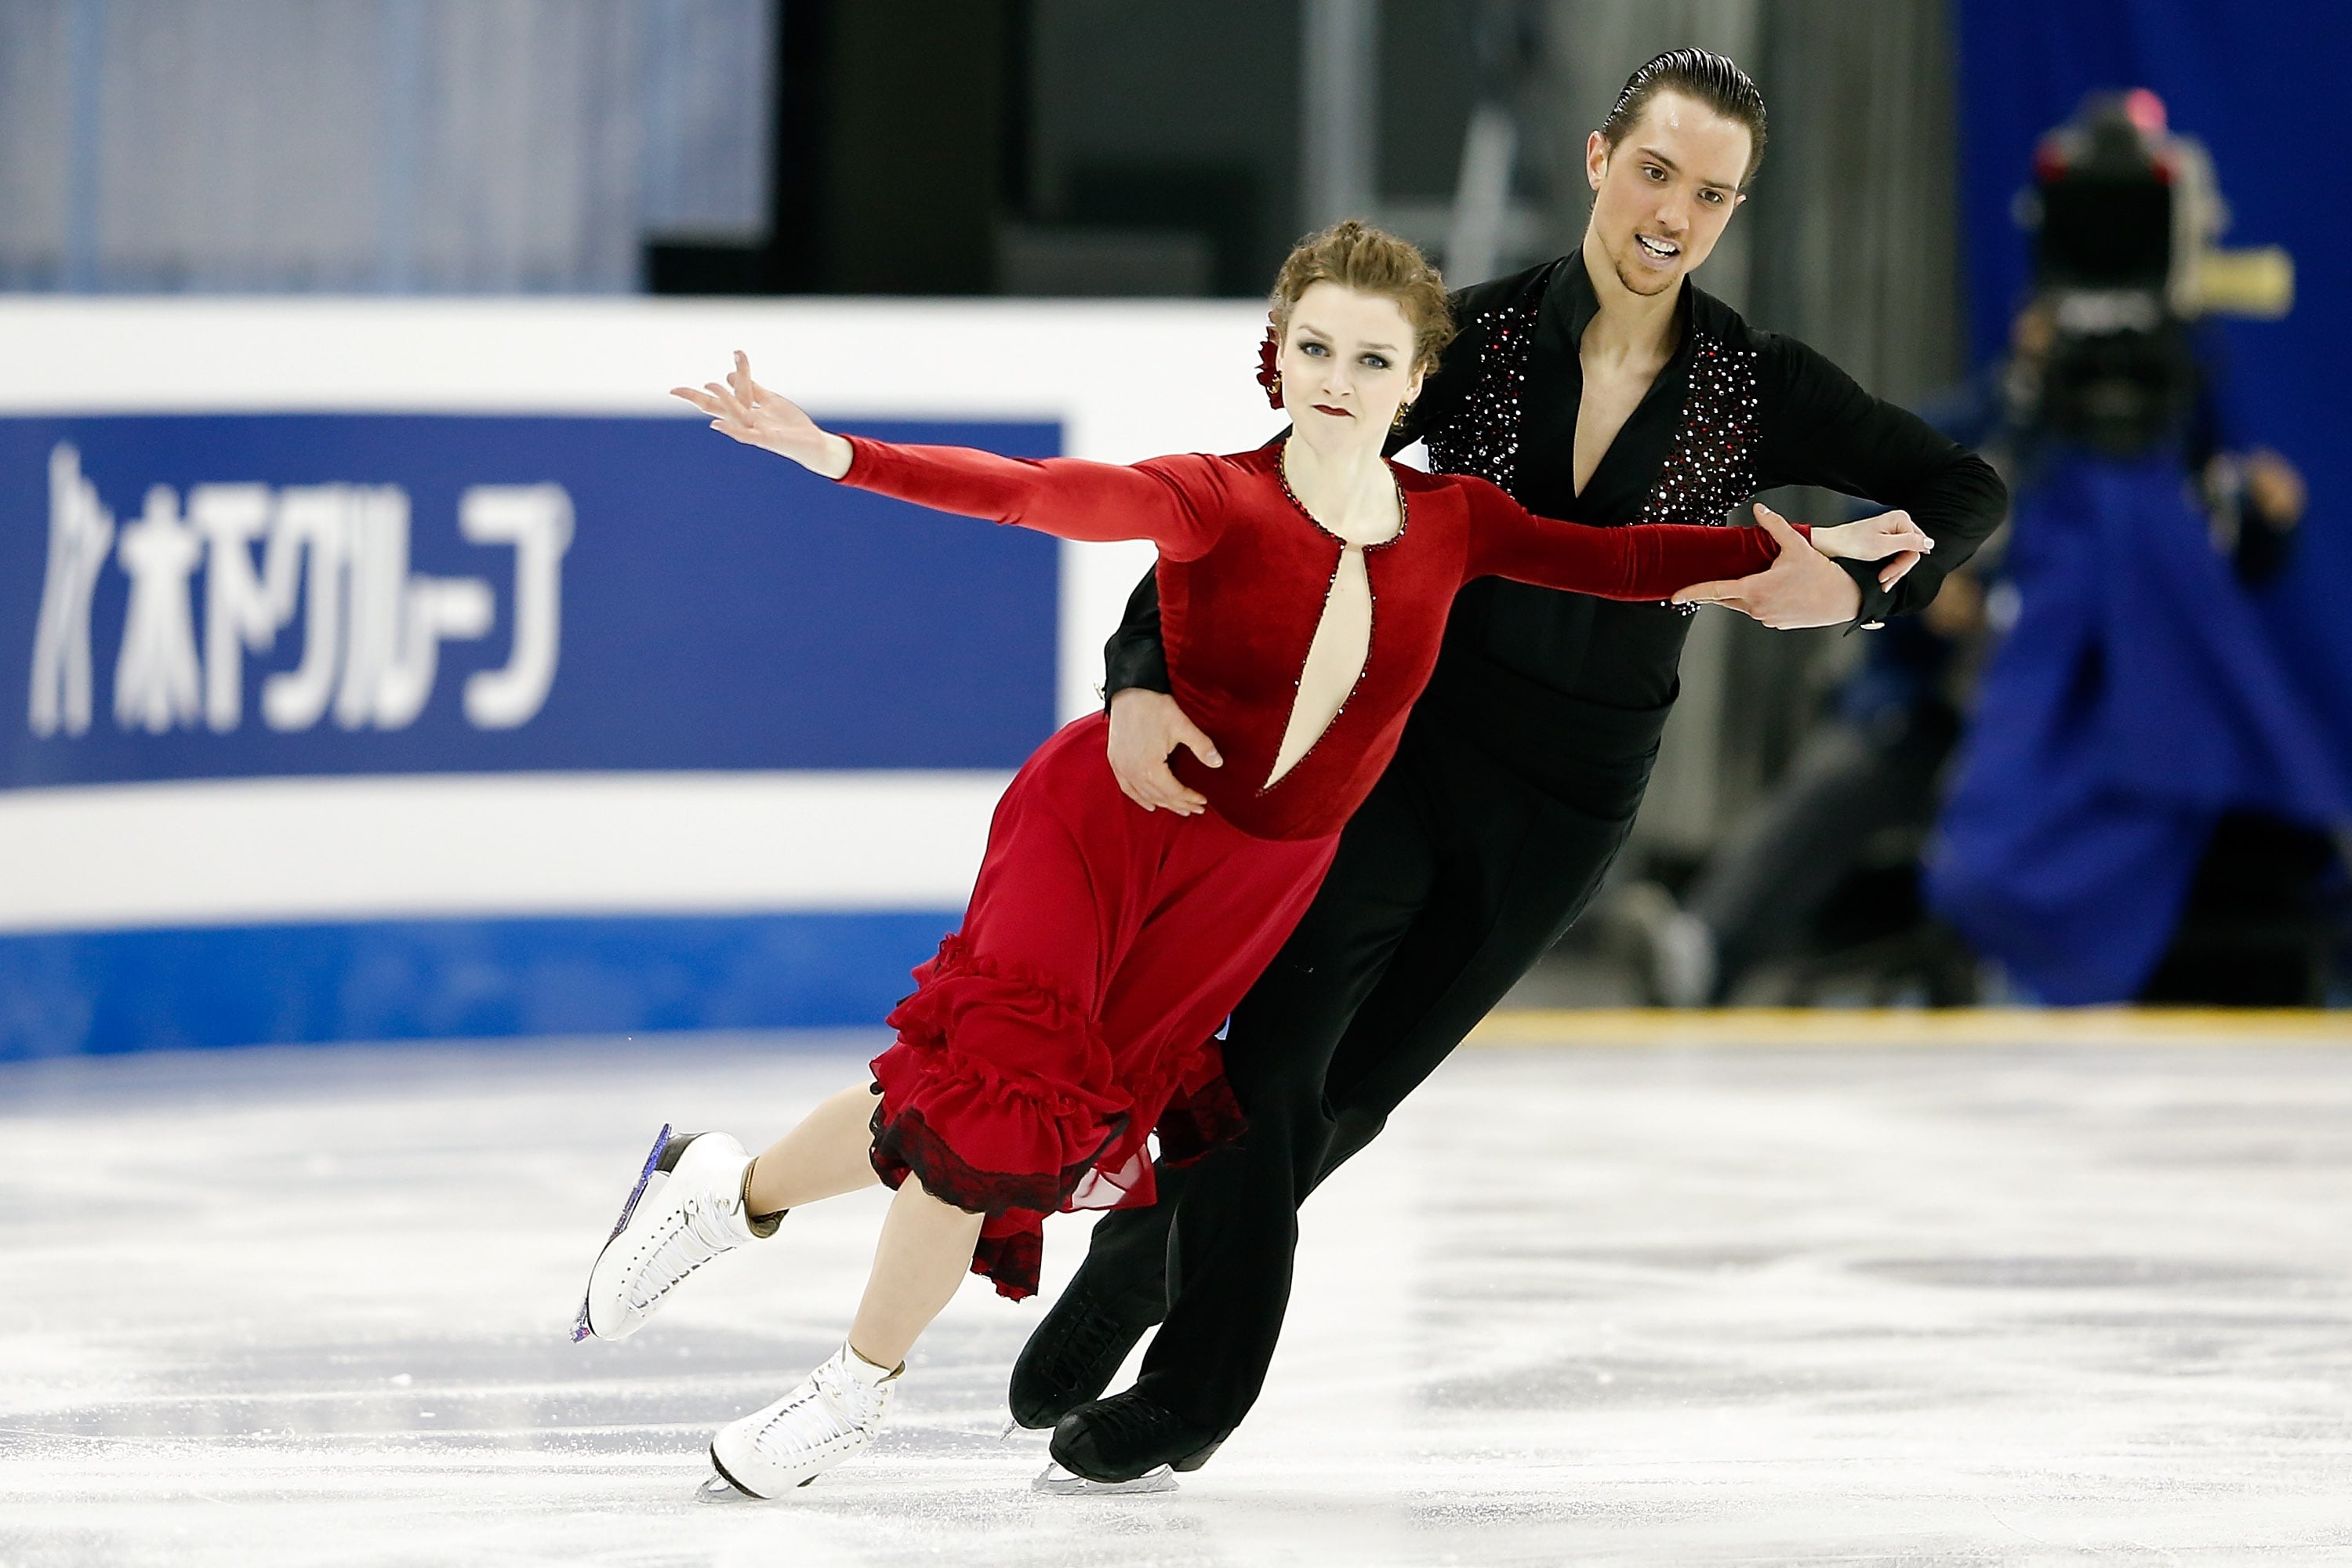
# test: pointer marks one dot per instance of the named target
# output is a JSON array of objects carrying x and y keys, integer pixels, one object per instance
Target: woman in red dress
[{"x": 1304, "y": 588}]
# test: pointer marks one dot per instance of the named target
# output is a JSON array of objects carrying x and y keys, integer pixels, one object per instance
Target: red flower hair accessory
[{"x": 1269, "y": 368}]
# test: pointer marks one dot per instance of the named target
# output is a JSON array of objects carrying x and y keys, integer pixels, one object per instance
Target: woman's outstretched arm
[
  {"x": 1171, "y": 501},
  {"x": 1652, "y": 560}
]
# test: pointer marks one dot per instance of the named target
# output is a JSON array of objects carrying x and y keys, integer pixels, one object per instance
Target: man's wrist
[
  {"x": 1131, "y": 669},
  {"x": 1111, "y": 694},
  {"x": 1872, "y": 601}
]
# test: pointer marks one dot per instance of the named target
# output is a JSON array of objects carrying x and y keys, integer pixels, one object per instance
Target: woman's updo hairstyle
[{"x": 1370, "y": 261}]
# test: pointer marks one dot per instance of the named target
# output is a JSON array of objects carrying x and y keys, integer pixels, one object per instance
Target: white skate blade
[
  {"x": 580, "y": 1329},
  {"x": 1054, "y": 1479}
]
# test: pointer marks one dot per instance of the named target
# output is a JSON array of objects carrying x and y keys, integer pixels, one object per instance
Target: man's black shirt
[{"x": 1539, "y": 659}]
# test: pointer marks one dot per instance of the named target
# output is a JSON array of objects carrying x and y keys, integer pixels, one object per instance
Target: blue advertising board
[{"x": 236, "y": 595}]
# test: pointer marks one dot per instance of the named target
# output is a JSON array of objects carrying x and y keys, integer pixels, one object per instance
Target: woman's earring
[
  {"x": 1402, "y": 409},
  {"x": 1269, "y": 368}
]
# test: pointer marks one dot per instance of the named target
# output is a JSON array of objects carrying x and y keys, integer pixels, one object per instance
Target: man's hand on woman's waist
[{"x": 1145, "y": 728}]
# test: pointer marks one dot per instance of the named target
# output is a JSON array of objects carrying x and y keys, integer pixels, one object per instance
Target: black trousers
[{"x": 1454, "y": 877}]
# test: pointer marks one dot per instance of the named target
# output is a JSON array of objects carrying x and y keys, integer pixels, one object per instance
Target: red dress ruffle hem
[{"x": 1074, "y": 1014}]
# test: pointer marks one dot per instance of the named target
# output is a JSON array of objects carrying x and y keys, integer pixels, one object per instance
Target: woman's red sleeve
[
  {"x": 1648, "y": 561},
  {"x": 1172, "y": 501}
]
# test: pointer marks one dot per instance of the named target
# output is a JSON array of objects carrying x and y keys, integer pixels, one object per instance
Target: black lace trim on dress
[
  {"x": 907, "y": 1143},
  {"x": 1197, "y": 1123},
  {"x": 1012, "y": 1263}
]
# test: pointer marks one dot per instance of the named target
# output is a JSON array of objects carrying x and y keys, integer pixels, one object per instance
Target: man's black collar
[{"x": 1569, "y": 303}]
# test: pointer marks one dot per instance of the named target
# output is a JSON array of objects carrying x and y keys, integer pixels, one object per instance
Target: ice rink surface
[{"x": 1740, "y": 1297}]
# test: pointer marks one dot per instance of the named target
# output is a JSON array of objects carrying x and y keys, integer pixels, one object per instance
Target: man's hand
[
  {"x": 1802, "y": 587},
  {"x": 1145, "y": 728}
]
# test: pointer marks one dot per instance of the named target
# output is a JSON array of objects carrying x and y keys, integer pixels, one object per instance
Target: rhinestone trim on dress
[{"x": 1372, "y": 609}]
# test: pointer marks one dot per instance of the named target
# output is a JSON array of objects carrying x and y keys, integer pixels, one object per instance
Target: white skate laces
[
  {"x": 831, "y": 1417},
  {"x": 686, "y": 1209}
]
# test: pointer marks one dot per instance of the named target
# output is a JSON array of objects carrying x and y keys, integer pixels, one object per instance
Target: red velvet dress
[{"x": 1073, "y": 1014}]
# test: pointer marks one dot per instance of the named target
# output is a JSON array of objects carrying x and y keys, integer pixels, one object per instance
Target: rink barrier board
[
  {"x": 816, "y": 677},
  {"x": 271, "y": 852},
  {"x": 207, "y": 596},
  {"x": 1896, "y": 1026},
  {"x": 315, "y": 984},
  {"x": 980, "y": 361},
  {"x": 706, "y": 616}
]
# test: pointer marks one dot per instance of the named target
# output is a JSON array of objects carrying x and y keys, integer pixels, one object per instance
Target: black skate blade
[
  {"x": 580, "y": 1330},
  {"x": 725, "y": 1493},
  {"x": 1061, "y": 1482},
  {"x": 721, "y": 1486}
]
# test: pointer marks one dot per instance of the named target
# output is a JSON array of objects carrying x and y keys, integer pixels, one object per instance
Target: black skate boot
[
  {"x": 1075, "y": 1352},
  {"x": 1127, "y": 1438}
]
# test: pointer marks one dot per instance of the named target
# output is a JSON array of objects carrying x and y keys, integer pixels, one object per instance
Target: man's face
[{"x": 1662, "y": 196}]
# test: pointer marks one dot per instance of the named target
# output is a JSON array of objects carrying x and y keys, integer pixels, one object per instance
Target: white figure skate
[
  {"x": 831, "y": 1417},
  {"x": 686, "y": 1209}
]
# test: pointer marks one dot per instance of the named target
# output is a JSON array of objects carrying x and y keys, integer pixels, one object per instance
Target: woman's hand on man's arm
[
  {"x": 1890, "y": 533},
  {"x": 1804, "y": 586}
]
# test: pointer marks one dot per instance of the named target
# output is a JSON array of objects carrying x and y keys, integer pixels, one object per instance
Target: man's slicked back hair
[{"x": 1701, "y": 74}]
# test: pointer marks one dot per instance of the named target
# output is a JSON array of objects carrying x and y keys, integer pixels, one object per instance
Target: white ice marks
[{"x": 1962, "y": 1303}]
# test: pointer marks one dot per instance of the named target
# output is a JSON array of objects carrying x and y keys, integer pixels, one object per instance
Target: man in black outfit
[{"x": 1599, "y": 387}]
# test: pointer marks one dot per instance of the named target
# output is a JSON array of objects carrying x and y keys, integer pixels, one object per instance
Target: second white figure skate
[
  {"x": 686, "y": 1209},
  {"x": 829, "y": 1417}
]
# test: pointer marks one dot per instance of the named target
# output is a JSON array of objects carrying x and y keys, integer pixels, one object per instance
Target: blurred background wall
[
  {"x": 748, "y": 163},
  {"x": 411, "y": 146}
]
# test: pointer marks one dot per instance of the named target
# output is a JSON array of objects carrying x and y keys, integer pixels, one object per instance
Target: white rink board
[{"x": 250, "y": 851}]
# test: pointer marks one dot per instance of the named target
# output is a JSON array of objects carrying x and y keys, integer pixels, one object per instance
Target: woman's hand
[
  {"x": 1145, "y": 728},
  {"x": 756, "y": 416},
  {"x": 1801, "y": 587},
  {"x": 1890, "y": 533}
]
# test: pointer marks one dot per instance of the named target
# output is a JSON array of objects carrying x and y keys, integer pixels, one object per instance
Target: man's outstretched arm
[
  {"x": 1822, "y": 428},
  {"x": 1835, "y": 435}
]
